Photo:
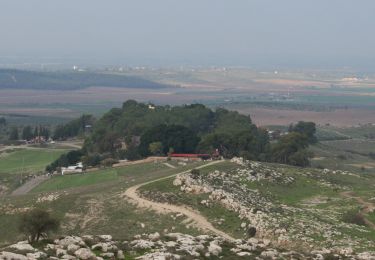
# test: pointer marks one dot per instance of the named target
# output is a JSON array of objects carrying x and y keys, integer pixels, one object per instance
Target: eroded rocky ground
[
  {"x": 294, "y": 209},
  {"x": 158, "y": 247}
]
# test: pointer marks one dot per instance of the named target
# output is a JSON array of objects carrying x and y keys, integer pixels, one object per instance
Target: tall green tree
[
  {"x": 291, "y": 149},
  {"x": 3, "y": 121},
  {"x": 13, "y": 134},
  {"x": 306, "y": 128},
  {"x": 180, "y": 138},
  {"x": 27, "y": 133},
  {"x": 73, "y": 128}
]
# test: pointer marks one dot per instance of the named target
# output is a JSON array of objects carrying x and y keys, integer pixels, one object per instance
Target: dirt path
[
  {"x": 147, "y": 160},
  {"x": 29, "y": 185},
  {"x": 170, "y": 165},
  {"x": 31, "y": 147},
  {"x": 367, "y": 207},
  {"x": 200, "y": 221}
]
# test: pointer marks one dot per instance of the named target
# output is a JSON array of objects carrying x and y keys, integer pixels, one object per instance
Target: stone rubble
[
  {"x": 275, "y": 222},
  {"x": 165, "y": 246}
]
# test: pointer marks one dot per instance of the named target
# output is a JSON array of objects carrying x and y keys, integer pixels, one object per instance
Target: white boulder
[{"x": 84, "y": 254}]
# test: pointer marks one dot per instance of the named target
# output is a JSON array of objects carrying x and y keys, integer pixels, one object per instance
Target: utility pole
[{"x": 23, "y": 168}]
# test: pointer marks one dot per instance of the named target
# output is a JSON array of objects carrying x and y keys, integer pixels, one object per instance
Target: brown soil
[
  {"x": 339, "y": 117},
  {"x": 164, "y": 208}
]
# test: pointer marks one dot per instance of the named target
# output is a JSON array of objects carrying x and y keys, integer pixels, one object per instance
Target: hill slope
[
  {"x": 18, "y": 79},
  {"x": 296, "y": 209}
]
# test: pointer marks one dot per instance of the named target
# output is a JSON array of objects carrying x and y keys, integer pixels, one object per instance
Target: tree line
[
  {"x": 28, "y": 133},
  {"x": 74, "y": 128}
]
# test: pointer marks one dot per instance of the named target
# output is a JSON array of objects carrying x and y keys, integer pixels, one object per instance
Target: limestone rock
[
  {"x": 106, "y": 238},
  {"x": 142, "y": 244},
  {"x": 72, "y": 248},
  {"x": 22, "y": 246},
  {"x": 120, "y": 254},
  {"x": 154, "y": 237},
  {"x": 12, "y": 256},
  {"x": 36, "y": 255},
  {"x": 214, "y": 248},
  {"x": 84, "y": 254},
  {"x": 68, "y": 240}
]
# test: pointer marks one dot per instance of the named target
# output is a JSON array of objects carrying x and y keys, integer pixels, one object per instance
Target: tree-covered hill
[
  {"x": 69, "y": 80},
  {"x": 138, "y": 130},
  {"x": 188, "y": 128}
]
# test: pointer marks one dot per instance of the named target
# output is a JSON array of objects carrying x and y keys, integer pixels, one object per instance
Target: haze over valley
[{"x": 187, "y": 130}]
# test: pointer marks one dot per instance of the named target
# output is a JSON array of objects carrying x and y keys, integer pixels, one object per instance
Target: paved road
[
  {"x": 29, "y": 185},
  {"x": 199, "y": 220}
]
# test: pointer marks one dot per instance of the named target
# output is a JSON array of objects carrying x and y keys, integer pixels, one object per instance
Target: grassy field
[
  {"x": 27, "y": 160},
  {"x": 365, "y": 132},
  {"x": 92, "y": 203},
  {"x": 18, "y": 164},
  {"x": 101, "y": 176},
  {"x": 77, "y": 180},
  {"x": 348, "y": 148}
]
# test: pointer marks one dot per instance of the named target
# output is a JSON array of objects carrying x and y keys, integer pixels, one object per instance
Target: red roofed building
[{"x": 190, "y": 155}]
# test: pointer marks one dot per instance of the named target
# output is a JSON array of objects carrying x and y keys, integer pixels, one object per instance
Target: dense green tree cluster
[
  {"x": 73, "y": 128},
  {"x": 137, "y": 130},
  {"x": 70, "y": 158},
  {"x": 3, "y": 121},
  {"x": 28, "y": 133},
  {"x": 183, "y": 129},
  {"x": 13, "y": 134},
  {"x": 291, "y": 149},
  {"x": 179, "y": 138},
  {"x": 307, "y": 129}
]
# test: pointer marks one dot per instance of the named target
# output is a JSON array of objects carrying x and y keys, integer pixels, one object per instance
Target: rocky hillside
[
  {"x": 305, "y": 210},
  {"x": 154, "y": 246}
]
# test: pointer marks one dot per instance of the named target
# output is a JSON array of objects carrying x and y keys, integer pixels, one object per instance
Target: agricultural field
[
  {"x": 18, "y": 164},
  {"x": 269, "y": 98},
  {"x": 347, "y": 148}
]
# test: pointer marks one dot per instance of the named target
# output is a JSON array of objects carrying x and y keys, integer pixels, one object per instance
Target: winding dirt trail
[
  {"x": 164, "y": 208},
  {"x": 29, "y": 185},
  {"x": 367, "y": 207}
]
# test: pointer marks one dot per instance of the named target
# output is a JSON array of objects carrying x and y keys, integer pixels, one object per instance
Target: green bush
[
  {"x": 37, "y": 223},
  {"x": 354, "y": 217},
  {"x": 195, "y": 173}
]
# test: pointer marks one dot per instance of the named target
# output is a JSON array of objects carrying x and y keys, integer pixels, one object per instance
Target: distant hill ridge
[{"x": 70, "y": 80}]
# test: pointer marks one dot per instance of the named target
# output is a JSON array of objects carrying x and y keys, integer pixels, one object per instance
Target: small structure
[
  {"x": 88, "y": 128},
  {"x": 78, "y": 168}
]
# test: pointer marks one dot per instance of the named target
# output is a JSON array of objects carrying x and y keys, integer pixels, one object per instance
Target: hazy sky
[{"x": 314, "y": 33}]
